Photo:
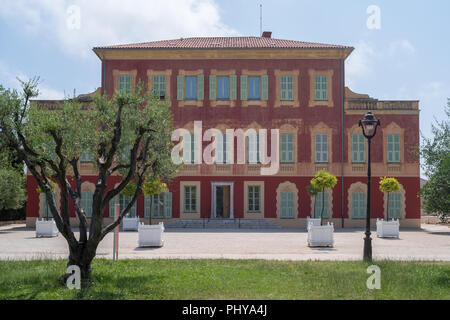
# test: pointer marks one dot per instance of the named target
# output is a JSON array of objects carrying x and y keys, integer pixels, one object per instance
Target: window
[
  {"x": 359, "y": 205},
  {"x": 222, "y": 88},
  {"x": 287, "y": 88},
  {"x": 253, "y": 198},
  {"x": 190, "y": 199},
  {"x": 86, "y": 157},
  {"x": 395, "y": 206},
  {"x": 221, "y": 149},
  {"x": 318, "y": 205},
  {"x": 287, "y": 205},
  {"x": 358, "y": 148},
  {"x": 321, "y": 144},
  {"x": 125, "y": 83},
  {"x": 86, "y": 203},
  {"x": 123, "y": 154},
  {"x": 162, "y": 205},
  {"x": 191, "y": 88},
  {"x": 393, "y": 148},
  {"x": 287, "y": 148},
  {"x": 123, "y": 202},
  {"x": 47, "y": 211},
  {"x": 159, "y": 86},
  {"x": 254, "y": 88},
  {"x": 321, "y": 88},
  {"x": 253, "y": 148},
  {"x": 189, "y": 154}
]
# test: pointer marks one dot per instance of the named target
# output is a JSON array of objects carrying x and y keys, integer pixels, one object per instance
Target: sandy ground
[{"x": 431, "y": 242}]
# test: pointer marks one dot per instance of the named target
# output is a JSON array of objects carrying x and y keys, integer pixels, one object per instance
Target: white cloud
[
  {"x": 401, "y": 47},
  {"x": 115, "y": 21},
  {"x": 9, "y": 79},
  {"x": 360, "y": 63}
]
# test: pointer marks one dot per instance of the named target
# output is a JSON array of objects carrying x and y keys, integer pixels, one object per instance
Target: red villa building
[{"x": 264, "y": 83}]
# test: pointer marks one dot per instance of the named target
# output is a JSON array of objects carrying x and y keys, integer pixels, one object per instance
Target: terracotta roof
[{"x": 225, "y": 43}]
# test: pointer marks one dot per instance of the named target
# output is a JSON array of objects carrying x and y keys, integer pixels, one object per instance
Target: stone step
[{"x": 223, "y": 224}]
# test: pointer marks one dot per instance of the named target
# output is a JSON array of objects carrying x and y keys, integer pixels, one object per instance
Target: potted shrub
[
  {"x": 388, "y": 228},
  {"x": 46, "y": 227},
  {"x": 150, "y": 188},
  {"x": 321, "y": 235},
  {"x": 313, "y": 191}
]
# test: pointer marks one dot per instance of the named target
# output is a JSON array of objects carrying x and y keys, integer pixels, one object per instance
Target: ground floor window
[
  {"x": 359, "y": 206},
  {"x": 161, "y": 205},
  {"x": 254, "y": 196},
  {"x": 395, "y": 206},
  {"x": 123, "y": 202},
  {"x": 190, "y": 199},
  {"x": 86, "y": 203},
  {"x": 287, "y": 205},
  {"x": 321, "y": 199}
]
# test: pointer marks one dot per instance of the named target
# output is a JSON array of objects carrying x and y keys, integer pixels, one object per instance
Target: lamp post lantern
[{"x": 369, "y": 126}]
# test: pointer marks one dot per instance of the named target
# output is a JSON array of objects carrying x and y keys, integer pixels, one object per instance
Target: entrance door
[{"x": 222, "y": 201}]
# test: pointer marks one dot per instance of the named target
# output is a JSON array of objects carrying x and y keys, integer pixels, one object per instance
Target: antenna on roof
[{"x": 260, "y": 20}]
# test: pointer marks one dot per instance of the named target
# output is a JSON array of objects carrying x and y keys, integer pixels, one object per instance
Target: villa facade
[{"x": 263, "y": 83}]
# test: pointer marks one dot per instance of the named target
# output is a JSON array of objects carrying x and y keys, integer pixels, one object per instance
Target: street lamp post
[{"x": 369, "y": 126}]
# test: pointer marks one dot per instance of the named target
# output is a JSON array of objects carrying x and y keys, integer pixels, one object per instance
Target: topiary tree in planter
[
  {"x": 150, "y": 188},
  {"x": 319, "y": 183},
  {"x": 389, "y": 185},
  {"x": 313, "y": 191}
]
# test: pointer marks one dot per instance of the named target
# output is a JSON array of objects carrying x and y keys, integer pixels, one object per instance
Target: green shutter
[
  {"x": 212, "y": 87},
  {"x": 396, "y": 147},
  {"x": 180, "y": 87},
  {"x": 324, "y": 88},
  {"x": 243, "y": 87},
  {"x": 200, "y": 87},
  {"x": 233, "y": 95},
  {"x": 265, "y": 87},
  {"x": 168, "y": 205}
]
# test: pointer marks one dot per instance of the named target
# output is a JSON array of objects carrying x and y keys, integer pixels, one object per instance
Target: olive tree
[{"x": 50, "y": 142}]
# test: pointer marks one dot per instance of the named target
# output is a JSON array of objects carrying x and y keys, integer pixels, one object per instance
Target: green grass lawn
[{"x": 227, "y": 279}]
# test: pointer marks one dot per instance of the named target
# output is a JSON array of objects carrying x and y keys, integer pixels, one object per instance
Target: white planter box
[
  {"x": 388, "y": 228},
  {"x": 321, "y": 236},
  {"x": 312, "y": 221},
  {"x": 151, "y": 235},
  {"x": 46, "y": 228},
  {"x": 130, "y": 223}
]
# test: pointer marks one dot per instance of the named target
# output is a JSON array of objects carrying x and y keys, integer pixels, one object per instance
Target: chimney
[{"x": 267, "y": 34}]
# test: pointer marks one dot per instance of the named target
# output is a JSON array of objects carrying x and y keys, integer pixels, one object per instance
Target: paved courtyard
[{"x": 431, "y": 242}]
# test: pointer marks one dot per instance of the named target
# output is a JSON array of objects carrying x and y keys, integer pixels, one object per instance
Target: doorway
[{"x": 222, "y": 200}]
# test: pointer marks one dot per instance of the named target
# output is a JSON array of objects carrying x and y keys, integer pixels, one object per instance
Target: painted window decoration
[
  {"x": 159, "y": 87},
  {"x": 125, "y": 83},
  {"x": 253, "y": 148},
  {"x": 190, "y": 87},
  {"x": 221, "y": 149},
  {"x": 189, "y": 154},
  {"x": 393, "y": 148},
  {"x": 359, "y": 206},
  {"x": 321, "y": 146},
  {"x": 86, "y": 203},
  {"x": 47, "y": 211},
  {"x": 321, "y": 88},
  {"x": 123, "y": 202},
  {"x": 287, "y": 148},
  {"x": 190, "y": 199},
  {"x": 358, "y": 148},
  {"x": 162, "y": 206},
  {"x": 254, "y": 87},
  {"x": 318, "y": 205},
  {"x": 287, "y": 88},
  {"x": 86, "y": 157},
  {"x": 254, "y": 196},
  {"x": 395, "y": 206},
  {"x": 287, "y": 205}
]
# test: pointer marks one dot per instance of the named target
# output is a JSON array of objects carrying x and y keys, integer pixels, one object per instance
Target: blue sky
[{"x": 406, "y": 58}]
